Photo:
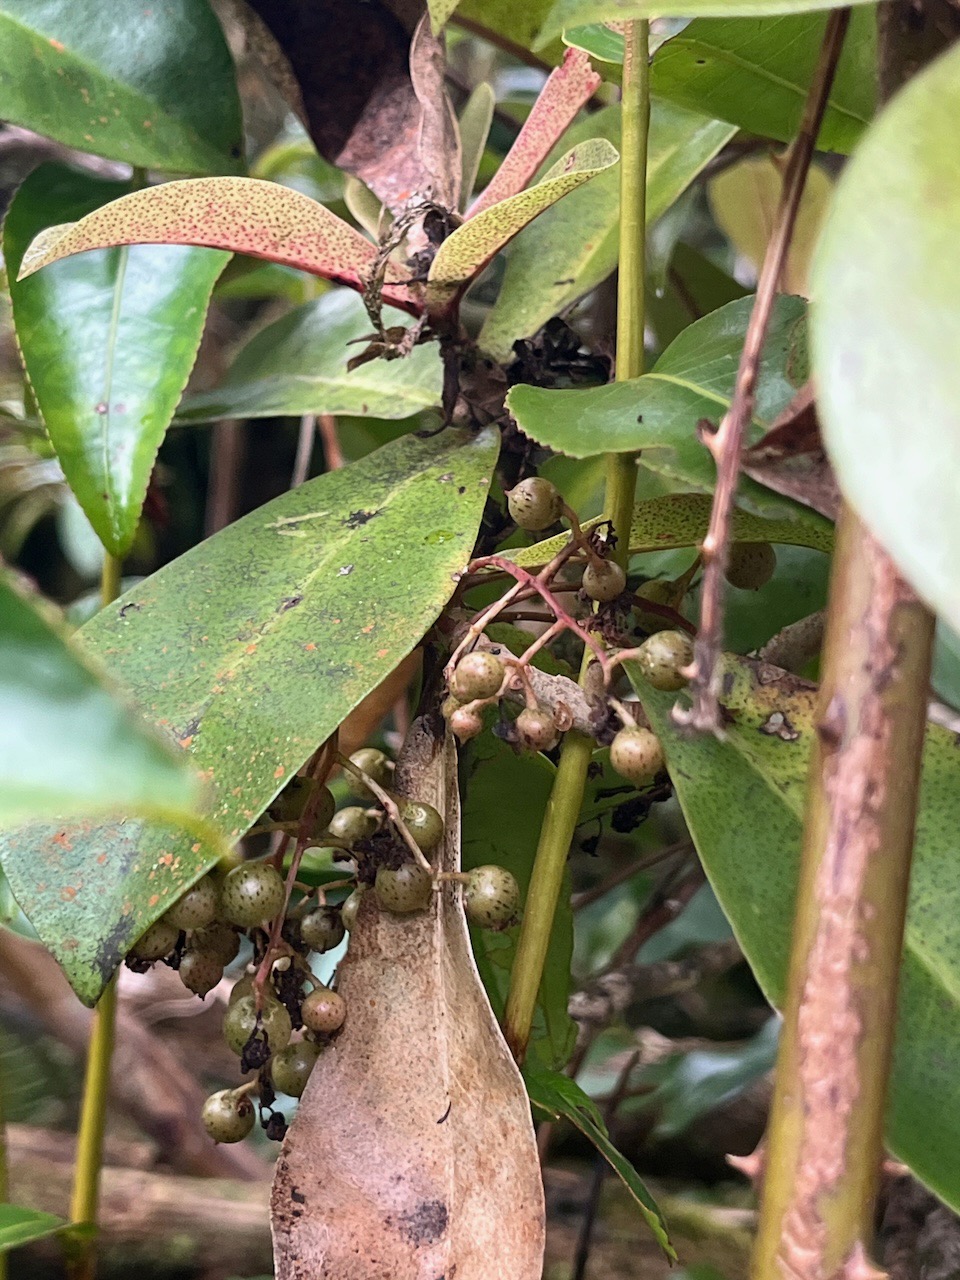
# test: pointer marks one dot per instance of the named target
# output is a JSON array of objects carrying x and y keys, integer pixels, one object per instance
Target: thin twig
[
  {"x": 589, "y": 896},
  {"x": 391, "y": 809},
  {"x": 727, "y": 442},
  {"x": 332, "y": 452},
  {"x": 305, "y": 439}
]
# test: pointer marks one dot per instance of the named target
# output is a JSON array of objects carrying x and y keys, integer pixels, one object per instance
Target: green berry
[
  {"x": 217, "y": 939},
  {"x": 477, "y": 675},
  {"x": 536, "y": 730},
  {"x": 604, "y": 580},
  {"x": 158, "y": 941},
  {"x": 240, "y": 1022},
  {"x": 535, "y": 504},
  {"x": 352, "y": 824},
  {"x": 294, "y": 798},
  {"x": 375, "y": 765},
  {"x": 199, "y": 971},
  {"x": 751, "y": 565},
  {"x": 242, "y": 987},
  {"x": 491, "y": 897},
  {"x": 291, "y": 1067},
  {"x": 465, "y": 724},
  {"x": 406, "y": 889},
  {"x": 252, "y": 893},
  {"x": 197, "y": 908},
  {"x": 637, "y": 755},
  {"x": 423, "y": 822},
  {"x": 662, "y": 657},
  {"x": 228, "y": 1116},
  {"x": 349, "y": 909},
  {"x": 322, "y": 929},
  {"x": 323, "y": 1011}
]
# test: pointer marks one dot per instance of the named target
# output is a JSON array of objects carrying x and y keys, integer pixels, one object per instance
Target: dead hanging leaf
[
  {"x": 412, "y": 1156},
  {"x": 438, "y": 144},
  {"x": 791, "y": 459}
]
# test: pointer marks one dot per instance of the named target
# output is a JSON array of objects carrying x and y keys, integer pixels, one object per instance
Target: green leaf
[
  {"x": 519, "y": 23},
  {"x": 68, "y": 744},
  {"x": 557, "y": 1095},
  {"x": 251, "y": 649},
  {"x": 574, "y": 246},
  {"x": 475, "y": 121},
  {"x": 762, "y": 770},
  {"x": 298, "y": 365},
  {"x": 465, "y": 253},
  {"x": 497, "y": 782},
  {"x": 659, "y": 412},
  {"x": 578, "y": 13},
  {"x": 681, "y": 520},
  {"x": 886, "y": 331},
  {"x": 151, "y": 85},
  {"x": 22, "y": 1226},
  {"x": 244, "y": 215},
  {"x": 108, "y": 340},
  {"x": 440, "y": 11},
  {"x": 756, "y": 74}
]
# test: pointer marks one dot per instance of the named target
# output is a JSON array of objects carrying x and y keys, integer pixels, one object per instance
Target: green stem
[
  {"x": 566, "y": 796},
  {"x": 93, "y": 1112}
]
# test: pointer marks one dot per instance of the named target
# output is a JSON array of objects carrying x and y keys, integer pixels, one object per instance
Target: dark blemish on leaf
[
  {"x": 345, "y": 570},
  {"x": 297, "y": 1196},
  {"x": 447, "y": 1112},
  {"x": 426, "y": 1223},
  {"x": 727, "y": 686},
  {"x": 569, "y": 280},
  {"x": 125, "y": 609},
  {"x": 289, "y": 602},
  {"x": 639, "y": 417},
  {"x": 462, "y": 489},
  {"x": 778, "y": 726},
  {"x": 358, "y": 518},
  {"x": 191, "y": 727}
]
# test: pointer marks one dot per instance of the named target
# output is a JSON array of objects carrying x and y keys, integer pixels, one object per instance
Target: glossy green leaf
[
  {"x": 578, "y": 13},
  {"x": 465, "y": 253},
  {"x": 659, "y": 412},
  {"x": 518, "y": 23},
  {"x": 20, "y": 1226},
  {"x": 762, "y": 770},
  {"x": 886, "y": 331},
  {"x": 244, "y": 215},
  {"x": 68, "y": 744},
  {"x": 108, "y": 340},
  {"x": 298, "y": 365},
  {"x": 574, "y": 246},
  {"x": 557, "y": 1095},
  {"x": 151, "y": 85},
  {"x": 251, "y": 649},
  {"x": 497, "y": 781},
  {"x": 681, "y": 520},
  {"x": 756, "y": 74}
]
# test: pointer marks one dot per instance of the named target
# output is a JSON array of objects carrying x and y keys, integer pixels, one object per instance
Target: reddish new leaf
[
  {"x": 566, "y": 90},
  {"x": 245, "y": 215}
]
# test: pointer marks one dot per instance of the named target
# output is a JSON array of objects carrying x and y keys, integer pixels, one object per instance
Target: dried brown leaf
[
  {"x": 439, "y": 136},
  {"x": 412, "y": 1156},
  {"x": 790, "y": 458}
]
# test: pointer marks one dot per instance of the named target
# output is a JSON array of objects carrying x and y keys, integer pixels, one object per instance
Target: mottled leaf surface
[
  {"x": 251, "y": 649},
  {"x": 151, "y": 85},
  {"x": 244, "y": 215},
  {"x": 761, "y": 770},
  {"x": 572, "y": 247},
  {"x": 425, "y": 1165},
  {"x": 298, "y": 365},
  {"x": 886, "y": 331},
  {"x": 659, "y": 412},
  {"x": 108, "y": 340}
]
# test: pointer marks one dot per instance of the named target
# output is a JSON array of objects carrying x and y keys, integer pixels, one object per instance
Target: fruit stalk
[{"x": 563, "y": 807}]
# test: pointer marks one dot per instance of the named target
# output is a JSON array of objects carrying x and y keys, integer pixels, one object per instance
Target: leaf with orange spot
[
  {"x": 245, "y": 215},
  {"x": 464, "y": 254},
  {"x": 566, "y": 90}
]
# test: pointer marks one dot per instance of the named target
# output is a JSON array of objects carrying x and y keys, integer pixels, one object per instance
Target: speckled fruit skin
[
  {"x": 535, "y": 504},
  {"x": 406, "y": 889},
  {"x": 158, "y": 941},
  {"x": 290, "y": 1069},
  {"x": 199, "y": 971},
  {"x": 227, "y": 1117},
  {"x": 349, "y": 908},
  {"x": 293, "y": 799},
  {"x": 491, "y": 897},
  {"x": 322, "y": 929},
  {"x": 537, "y": 730},
  {"x": 240, "y": 1021},
  {"x": 661, "y": 658},
  {"x": 604, "y": 581},
  {"x": 751, "y": 565},
  {"x": 242, "y": 987},
  {"x": 217, "y": 939},
  {"x": 423, "y": 822},
  {"x": 375, "y": 765},
  {"x": 197, "y": 908},
  {"x": 637, "y": 755},
  {"x": 465, "y": 724},
  {"x": 477, "y": 675},
  {"x": 323, "y": 1011},
  {"x": 352, "y": 824},
  {"x": 252, "y": 893}
]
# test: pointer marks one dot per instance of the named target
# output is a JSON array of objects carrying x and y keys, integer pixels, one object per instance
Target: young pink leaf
[
  {"x": 566, "y": 90},
  {"x": 245, "y": 215},
  {"x": 465, "y": 253}
]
